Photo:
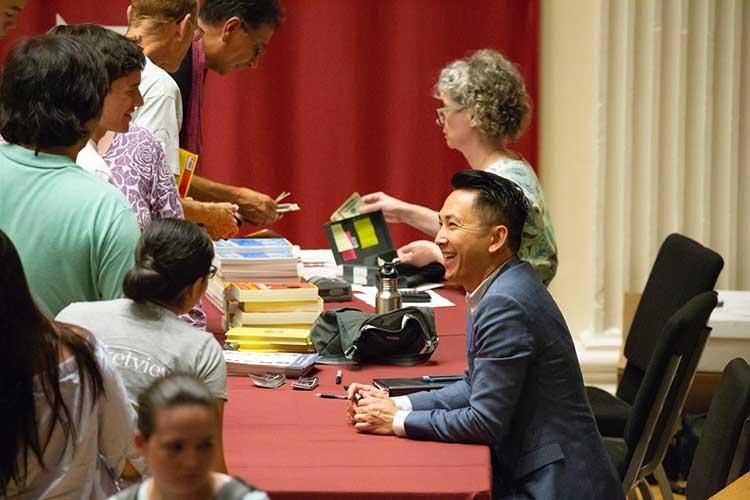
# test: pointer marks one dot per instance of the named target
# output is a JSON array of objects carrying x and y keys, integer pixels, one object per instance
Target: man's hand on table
[
  {"x": 256, "y": 208},
  {"x": 370, "y": 410}
]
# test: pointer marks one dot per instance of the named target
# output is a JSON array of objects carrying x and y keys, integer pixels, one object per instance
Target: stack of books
[
  {"x": 264, "y": 260},
  {"x": 265, "y": 317}
]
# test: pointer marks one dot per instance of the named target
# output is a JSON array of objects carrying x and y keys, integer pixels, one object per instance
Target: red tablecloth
[{"x": 294, "y": 445}]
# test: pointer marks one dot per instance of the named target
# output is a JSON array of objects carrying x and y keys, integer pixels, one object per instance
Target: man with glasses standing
[{"x": 236, "y": 33}]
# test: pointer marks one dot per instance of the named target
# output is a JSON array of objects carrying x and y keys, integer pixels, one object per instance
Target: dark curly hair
[
  {"x": 492, "y": 90},
  {"x": 252, "y": 13},
  {"x": 171, "y": 255},
  {"x": 121, "y": 55},
  {"x": 50, "y": 87},
  {"x": 499, "y": 201}
]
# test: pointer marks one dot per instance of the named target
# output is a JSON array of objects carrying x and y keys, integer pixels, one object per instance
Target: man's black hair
[
  {"x": 120, "y": 54},
  {"x": 50, "y": 87},
  {"x": 498, "y": 201},
  {"x": 253, "y": 13}
]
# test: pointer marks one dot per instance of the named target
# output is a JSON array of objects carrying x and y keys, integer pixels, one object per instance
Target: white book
[{"x": 291, "y": 364}]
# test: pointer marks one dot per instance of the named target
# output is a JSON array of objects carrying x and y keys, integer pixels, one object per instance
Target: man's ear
[
  {"x": 498, "y": 239},
  {"x": 185, "y": 28},
  {"x": 231, "y": 25}
]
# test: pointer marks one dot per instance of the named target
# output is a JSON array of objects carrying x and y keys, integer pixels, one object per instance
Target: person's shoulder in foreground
[{"x": 232, "y": 489}]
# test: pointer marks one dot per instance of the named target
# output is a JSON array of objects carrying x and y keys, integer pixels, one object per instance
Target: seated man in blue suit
[{"x": 522, "y": 393}]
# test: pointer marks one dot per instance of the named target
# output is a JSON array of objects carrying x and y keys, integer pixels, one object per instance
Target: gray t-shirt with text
[{"x": 146, "y": 341}]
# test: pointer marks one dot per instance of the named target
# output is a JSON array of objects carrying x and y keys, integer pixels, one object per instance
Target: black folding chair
[
  {"x": 722, "y": 452},
  {"x": 683, "y": 268},
  {"x": 661, "y": 397}
]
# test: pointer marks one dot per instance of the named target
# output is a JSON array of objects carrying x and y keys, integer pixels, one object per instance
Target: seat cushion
[
  {"x": 618, "y": 453},
  {"x": 611, "y": 412}
]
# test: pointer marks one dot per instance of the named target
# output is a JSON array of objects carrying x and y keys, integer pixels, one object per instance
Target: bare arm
[
  {"x": 397, "y": 211},
  {"x": 256, "y": 208},
  {"x": 219, "y": 464}
]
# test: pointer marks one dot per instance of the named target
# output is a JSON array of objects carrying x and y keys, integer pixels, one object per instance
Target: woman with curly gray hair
[{"x": 485, "y": 107}]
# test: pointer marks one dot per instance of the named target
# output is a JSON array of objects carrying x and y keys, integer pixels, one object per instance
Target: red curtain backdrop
[{"x": 342, "y": 99}]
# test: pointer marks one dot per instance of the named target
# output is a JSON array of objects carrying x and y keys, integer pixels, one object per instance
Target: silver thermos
[{"x": 388, "y": 297}]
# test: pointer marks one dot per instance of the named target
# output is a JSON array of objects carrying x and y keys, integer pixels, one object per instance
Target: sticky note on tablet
[
  {"x": 366, "y": 232},
  {"x": 339, "y": 236}
]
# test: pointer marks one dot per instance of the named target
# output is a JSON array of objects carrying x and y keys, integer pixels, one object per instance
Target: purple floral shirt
[{"x": 139, "y": 169}]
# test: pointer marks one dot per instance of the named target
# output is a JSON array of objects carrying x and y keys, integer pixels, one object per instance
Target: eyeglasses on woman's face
[
  {"x": 440, "y": 112},
  {"x": 211, "y": 271}
]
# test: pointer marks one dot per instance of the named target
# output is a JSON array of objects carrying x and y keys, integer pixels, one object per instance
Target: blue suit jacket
[{"x": 523, "y": 395}]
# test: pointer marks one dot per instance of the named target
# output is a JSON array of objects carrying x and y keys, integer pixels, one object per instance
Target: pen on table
[
  {"x": 441, "y": 378},
  {"x": 339, "y": 376},
  {"x": 330, "y": 396}
]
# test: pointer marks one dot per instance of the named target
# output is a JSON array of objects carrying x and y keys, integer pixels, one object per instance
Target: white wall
[{"x": 645, "y": 130}]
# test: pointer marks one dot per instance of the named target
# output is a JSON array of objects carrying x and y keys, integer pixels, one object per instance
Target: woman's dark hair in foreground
[
  {"x": 171, "y": 254},
  {"x": 51, "y": 86},
  {"x": 175, "y": 389},
  {"x": 499, "y": 201},
  {"x": 120, "y": 54},
  {"x": 32, "y": 344}
]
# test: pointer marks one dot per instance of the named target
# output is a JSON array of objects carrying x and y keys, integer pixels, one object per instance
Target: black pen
[
  {"x": 331, "y": 396},
  {"x": 441, "y": 378}
]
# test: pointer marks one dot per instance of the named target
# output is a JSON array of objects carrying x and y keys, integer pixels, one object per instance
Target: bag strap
[
  {"x": 408, "y": 359},
  {"x": 430, "y": 343}
]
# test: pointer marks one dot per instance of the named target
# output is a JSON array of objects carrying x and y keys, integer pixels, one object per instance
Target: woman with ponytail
[
  {"x": 143, "y": 332},
  {"x": 67, "y": 424}
]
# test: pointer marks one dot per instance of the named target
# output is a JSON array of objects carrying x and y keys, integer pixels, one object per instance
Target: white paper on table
[
  {"x": 436, "y": 300},
  {"x": 320, "y": 263}
]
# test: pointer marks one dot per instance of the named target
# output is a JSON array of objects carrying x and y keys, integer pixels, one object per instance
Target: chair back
[
  {"x": 722, "y": 446},
  {"x": 683, "y": 268},
  {"x": 665, "y": 386}
]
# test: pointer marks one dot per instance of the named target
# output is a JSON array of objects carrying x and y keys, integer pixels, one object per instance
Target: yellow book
[
  {"x": 271, "y": 342},
  {"x": 245, "y": 347},
  {"x": 304, "y": 318},
  {"x": 272, "y": 292},
  {"x": 188, "y": 161},
  {"x": 295, "y": 306},
  {"x": 274, "y": 332}
]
